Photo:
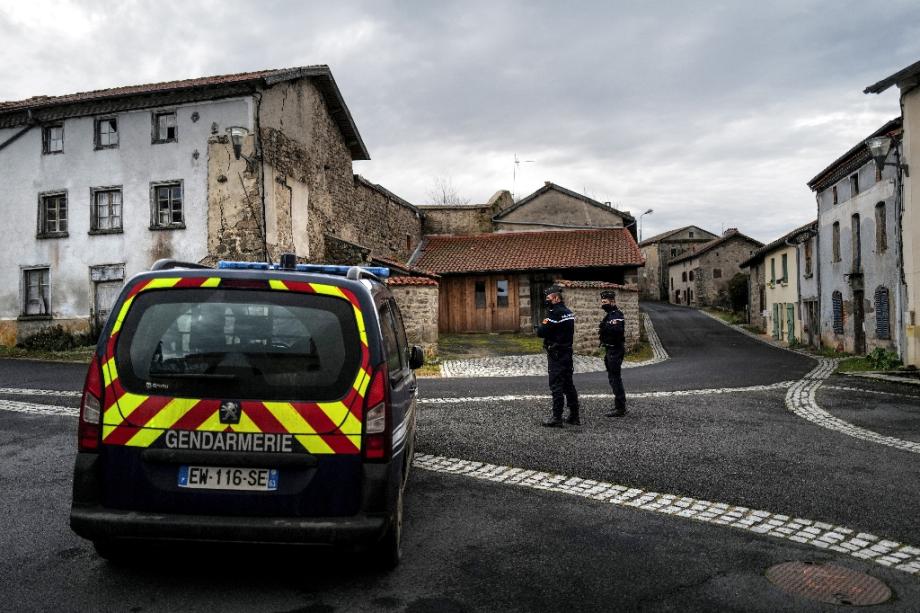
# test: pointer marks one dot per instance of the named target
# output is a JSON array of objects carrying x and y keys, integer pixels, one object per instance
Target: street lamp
[
  {"x": 879, "y": 146},
  {"x": 640, "y": 222},
  {"x": 237, "y": 134}
]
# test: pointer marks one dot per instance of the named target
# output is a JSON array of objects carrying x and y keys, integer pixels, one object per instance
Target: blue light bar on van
[{"x": 326, "y": 269}]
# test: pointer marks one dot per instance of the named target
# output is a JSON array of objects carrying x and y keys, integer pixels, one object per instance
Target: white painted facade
[{"x": 132, "y": 166}]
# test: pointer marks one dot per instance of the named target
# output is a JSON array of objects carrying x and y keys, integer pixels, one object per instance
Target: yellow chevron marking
[
  {"x": 212, "y": 423},
  {"x": 109, "y": 373},
  {"x": 335, "y": 411},
  {"x": 288, "y": 417},
  {"x": 121, "y": 314},
  {"x": 123, "y": 408},
  {"x": 351, "y": 425},
  {"x": 276, "y": 284},
  {"x": 328, "y": 290},
  {"x": 314, "y": 444},
  {"x": 107, "y": 430},
  {"x": 162, "y": 282},
  {"x": 211, "y": 282},
  {"x": 361, "y": 382},
  {"x": 246, "y": 425}
]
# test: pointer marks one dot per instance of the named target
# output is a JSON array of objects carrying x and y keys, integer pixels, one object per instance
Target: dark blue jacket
[
  {"x": 559, "y": 329},
  {"x": 612, "y": 329}
]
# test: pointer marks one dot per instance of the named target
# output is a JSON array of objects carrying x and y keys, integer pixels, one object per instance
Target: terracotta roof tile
[
  {"x": 411, "y": 281},
  {"x": 502, "y": 251}
]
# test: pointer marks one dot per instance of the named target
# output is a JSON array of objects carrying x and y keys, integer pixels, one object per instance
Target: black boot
[
  {"x": 554, "y": 422},
  {"x": 617, "y": 412},
  {"x": 573, "y": 419}
]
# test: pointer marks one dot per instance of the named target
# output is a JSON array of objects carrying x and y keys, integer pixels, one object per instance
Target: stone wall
[
  {"x": 389, "y": 226},
  {"x": 457, "y": 219},
  {"x": 583, "y": 298},
  {"x": 650, "y": 275},
  {"x": 757, "y": 295},
  {"x": 417, "y": 298}
]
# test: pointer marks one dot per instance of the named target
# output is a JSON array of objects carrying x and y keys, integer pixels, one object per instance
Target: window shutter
[
  {"x": 837, "y": 303},
  {"x": 882, "y": 323}
]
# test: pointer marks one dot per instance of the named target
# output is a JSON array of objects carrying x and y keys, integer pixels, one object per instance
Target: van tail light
[
  {"x": 90, "y": 409},
  {"x": 376, "y": 445}
]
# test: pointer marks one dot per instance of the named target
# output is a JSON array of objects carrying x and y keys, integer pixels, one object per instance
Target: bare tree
[{"x": 443, "y": 192}]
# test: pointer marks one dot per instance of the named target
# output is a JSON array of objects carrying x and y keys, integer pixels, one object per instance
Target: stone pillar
[{"x": 417, "y": 298}]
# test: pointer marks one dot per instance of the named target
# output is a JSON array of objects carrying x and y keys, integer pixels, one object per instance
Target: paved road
[{"x": 476, "y": 545}]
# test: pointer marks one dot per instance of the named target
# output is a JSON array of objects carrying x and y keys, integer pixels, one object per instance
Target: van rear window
[{"x": 226, "y": 343}]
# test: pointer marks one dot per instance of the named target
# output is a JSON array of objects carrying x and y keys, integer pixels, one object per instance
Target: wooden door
[
  {"x": 504, "y": 303},
  {"x": 479, "y": 304}
]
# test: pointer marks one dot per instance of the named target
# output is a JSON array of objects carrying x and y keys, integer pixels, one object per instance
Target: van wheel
[
  {"x": 113, "y": 551},
  {"x": 388, "y": 551}
]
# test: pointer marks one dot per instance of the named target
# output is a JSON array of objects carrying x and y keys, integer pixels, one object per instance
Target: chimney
[
  {"x": 730, "y": 231},
  {"x": 547, "y": 183}
]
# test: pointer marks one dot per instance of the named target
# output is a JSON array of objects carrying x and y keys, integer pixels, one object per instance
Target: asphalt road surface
[{"x": 472, "y": 544}]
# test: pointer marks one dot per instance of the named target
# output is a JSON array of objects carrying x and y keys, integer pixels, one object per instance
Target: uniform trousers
[
  {"x": 613, "y": 360},
  {"x": 560, "y": 382}
]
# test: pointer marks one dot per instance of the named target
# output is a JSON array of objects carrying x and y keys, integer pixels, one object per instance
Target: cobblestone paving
[
  {"x": 805, "y": 531},
  {"x": 535, "y": 364}
]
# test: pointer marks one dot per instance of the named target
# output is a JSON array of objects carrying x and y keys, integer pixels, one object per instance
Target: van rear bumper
[{"x": 98, "y": 523}]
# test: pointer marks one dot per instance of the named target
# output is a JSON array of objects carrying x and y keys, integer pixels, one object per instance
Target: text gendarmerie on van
[{"x": 229, "y": 441}]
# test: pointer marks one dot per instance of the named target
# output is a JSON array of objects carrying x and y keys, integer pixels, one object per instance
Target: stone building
[
  {"x": 700, "y": 277},
  {"x": 99, "y": 185},
  {"x": 906, "y": 205},
  {"x": 464, "y": 218},
  {"x": 659, "y": 250},
  {"x": 859, "y": 257},
  {"x": 494, "y": 282},
  {"x": 782, "y": 287},
  {"x": 583, "y": 299}
]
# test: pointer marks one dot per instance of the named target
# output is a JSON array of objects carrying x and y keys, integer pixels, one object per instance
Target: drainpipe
[{"x": 257, "y": 154}]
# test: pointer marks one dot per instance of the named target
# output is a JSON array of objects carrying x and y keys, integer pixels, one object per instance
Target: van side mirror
[{"x": 416, "y": 357}]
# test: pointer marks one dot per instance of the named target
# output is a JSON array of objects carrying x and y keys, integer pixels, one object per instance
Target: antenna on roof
[{"x": 517, "y": 163}]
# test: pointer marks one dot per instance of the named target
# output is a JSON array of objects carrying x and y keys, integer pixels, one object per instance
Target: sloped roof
[
  {"x": 549, "y": 185},
  {"x": 729, "y": 234},
  {"x": 855, "y": 158},
  {"x": 320, "y": 74},
  {"x": 664, "y": 235},
  {"x": 760, "y": 253},
  {"x": 905, "y": 73},
  {"x": 547, "y": 250}
]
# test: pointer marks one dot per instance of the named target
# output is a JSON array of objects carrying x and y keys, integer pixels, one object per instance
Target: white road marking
[
  {"x": 41, "y": 409},
  {"x": 823, "y": 535},
  {"x": 702, "y": 392},
  {"x": 19, "y": 391},
  {"x": 800, "y": 399}
]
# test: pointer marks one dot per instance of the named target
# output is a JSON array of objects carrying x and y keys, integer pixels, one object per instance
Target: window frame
[
  {"x": 97, "y": 123},
  {"x": 46, "y": 138},
  {"x": 42, "y": 230},
  {"x": 835, "y": 242},
  {"x": 155, "y": 137},
  {"x": 94, "y": 228},
  {"x": 854, "y": 184},
  {"x": 881, "y": 227},
  {"x": 24, "y": 291},
  {"x": 155, "y": 209}
]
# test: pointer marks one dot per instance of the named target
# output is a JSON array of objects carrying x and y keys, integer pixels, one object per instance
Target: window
[
  {"x": 164, "y": 127},
  {"x": 501, "y": 293},
  {"x": 878, "y": 174},
  {"x": 408, "y": 242},
  {"x": 166, "y": 205},
  {"x": 837, "y": 306},
  {"x": 105, "y": 215},
  {"x": 672, "y": 282},
  {"x": 53, "y": 138},
  {"x": 480, "y": 294},
  {"x": 854, "y": 185},
  {"x": 690, "y": 276},
  {"x": 807, "y": 248},
  {"x": 772, "y": 270},
  {"x": 882, "y": 314},
  {"x": 52, "y": 215},
  {"x": 395, "y": 356},
  {"x": 36, "y": 292},
  {"x": 673, "y": 253},
  {"x": 683, "y": 276},
  {"x": 834, "y": 194},
  {"x": 106, "y": 133},
  {"x": 835, "y": 242},
  {"x": 785, "y": 261},
  {"x": 690, "y": 233},
  {"x": 716, "y": 273},
  {"x": 881, "y": 231},
  {"x": 857, "y": 245}
]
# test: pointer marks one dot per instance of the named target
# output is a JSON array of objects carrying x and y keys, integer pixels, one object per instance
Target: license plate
[{"x": 228, "y": 478}]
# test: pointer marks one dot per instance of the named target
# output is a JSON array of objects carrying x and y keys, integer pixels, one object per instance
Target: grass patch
[
  {"x": 855, "y": 364},
  {"x": 729, "y": 317},
  {"x": 79, "y": 355},
  {"x": 429, "y": 369},
  {"x": 466, "y": 346},
  {"x": 641, "y": 352}
]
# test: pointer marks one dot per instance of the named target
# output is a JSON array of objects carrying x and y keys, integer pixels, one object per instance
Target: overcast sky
[{"x": 710, "y": 113}]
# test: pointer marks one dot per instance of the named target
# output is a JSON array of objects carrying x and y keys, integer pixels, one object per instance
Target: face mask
[{"x": 607, "y": 307}]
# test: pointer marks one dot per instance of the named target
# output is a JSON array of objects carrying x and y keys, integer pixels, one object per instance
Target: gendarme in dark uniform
[
  {"x": 612, "y": 333},
  {"x": 557, "y": 331}
]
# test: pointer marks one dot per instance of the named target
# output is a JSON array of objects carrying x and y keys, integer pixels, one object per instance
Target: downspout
[
  {"x": 257, "y": 153},
  {"x": 30, "y": 123},
  {"x": 816, "y": 256}
]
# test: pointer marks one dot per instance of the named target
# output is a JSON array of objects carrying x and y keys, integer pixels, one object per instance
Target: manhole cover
[{"x": 828, "y": 583}]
